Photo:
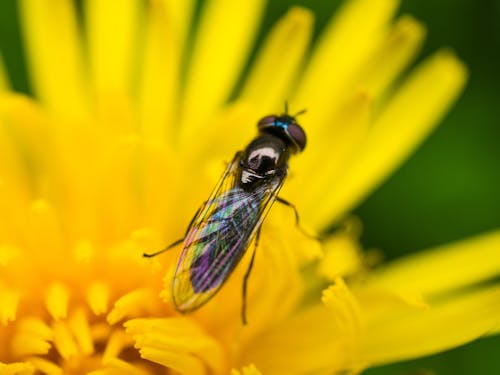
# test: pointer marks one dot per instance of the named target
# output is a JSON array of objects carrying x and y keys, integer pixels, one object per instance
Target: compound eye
[
  {"x": 297, "y": 135},
  {"x": 266, "y": 122}
]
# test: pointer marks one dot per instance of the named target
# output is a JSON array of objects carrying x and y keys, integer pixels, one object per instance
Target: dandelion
[{"x": 125, "y": 137}]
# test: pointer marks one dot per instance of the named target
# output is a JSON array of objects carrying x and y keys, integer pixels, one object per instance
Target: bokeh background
[{"x": 448, "y": 190}]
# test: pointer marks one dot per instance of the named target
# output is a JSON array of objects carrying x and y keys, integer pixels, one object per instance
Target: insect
[{"x": 224, "y": 226}]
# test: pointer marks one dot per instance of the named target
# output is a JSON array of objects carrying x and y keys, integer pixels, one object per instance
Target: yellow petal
[
  {"x": 175, "y": 343},
  {"x": 27, "y": 130},
  {"x": 116, "y": 188},
  {"x": 349, "y": 126},
  {"x": 132, "y": 304},
  {"x": 305, "y": 342},
  {"x": 36, "y": 327},
  {"x": 180, "y": 362},
  {"x": 98, "y": 297},
  {"x": 121, "y": 367},
  {"x": 157, "y": 164},
  {"x": 25, "y": 344},
  {"x": 442, "y": 269},
  {"x": 79, "y": 325},
  {"x": 395, "y": 52},
  {"x": 115, "y": 343},
  {"x": 240, "y": 113},
  {"x": 159, "y": 85},
  {"x": 181, "y": 12},
  {"x": 83, "y": 251},
  {"x": 101, "y": 372},
  {"x": 18, "y": 368},
  {"x": 9, "y": 300},
  {"x": 15, "y": 182},
  {"x": 7, "y": 253},
  {"x": 355, "y": 117},
  {"x": 347, "y": 313},
  {"x": 46, "y": 366},
  {"x": 55, "y": 56},
  {"x": 112, "y": 29},
  {"x": 56, "y": 300},
  {"x": 225, "y": 34},
  {"x": 33, "y": 338},
  {"x": 406, "y": 334},
  {"x": 166, "y": 28},
  {"x": 276, "y": 65},
  {"x": 247, "y": 370},
  {"x": 342, "y": 256},
  {"x": 403, "y": 123},
  {"x": 346, "y": 43},
  {"x": 100, "y": 331},
  {"x": 45, "y": 229},
  {"x": 64, "y": 341}
]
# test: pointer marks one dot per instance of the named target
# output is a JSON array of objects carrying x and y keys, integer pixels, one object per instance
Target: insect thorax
[{"x": 265, "y": 158}]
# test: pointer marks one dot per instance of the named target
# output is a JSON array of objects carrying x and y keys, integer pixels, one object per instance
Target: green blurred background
[{"x": 448, "y": 189}]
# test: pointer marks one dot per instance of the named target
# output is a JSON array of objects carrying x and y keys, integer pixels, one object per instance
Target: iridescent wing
[{"x": 219, "y": 235}]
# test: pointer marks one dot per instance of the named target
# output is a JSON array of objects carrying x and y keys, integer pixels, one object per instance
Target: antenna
[{"x": 301, "y": 112}]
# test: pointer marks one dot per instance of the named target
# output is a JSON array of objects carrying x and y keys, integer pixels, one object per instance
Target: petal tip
[
  {"x": 411, "y": 27},
  {"x": 452, "y": 65},
  {"x": 300, "y": 15}
]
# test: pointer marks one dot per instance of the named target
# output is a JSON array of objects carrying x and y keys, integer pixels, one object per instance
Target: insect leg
[
  {"x": 245, "y": 280},
  {"x": 175, "y": 243},
  {"x": 297, "y": 218}
]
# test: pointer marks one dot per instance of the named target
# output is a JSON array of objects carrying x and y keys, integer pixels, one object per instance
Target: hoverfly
[{"x": 224, "y": 226}]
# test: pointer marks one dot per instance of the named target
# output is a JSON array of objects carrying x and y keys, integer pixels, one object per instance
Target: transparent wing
[{"x": 218, "y": 237}]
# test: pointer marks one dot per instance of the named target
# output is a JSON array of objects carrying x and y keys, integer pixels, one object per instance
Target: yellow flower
[{"x": 128, "y": 132}]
